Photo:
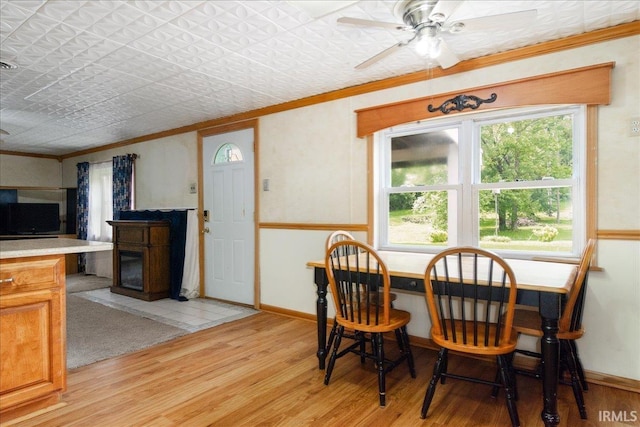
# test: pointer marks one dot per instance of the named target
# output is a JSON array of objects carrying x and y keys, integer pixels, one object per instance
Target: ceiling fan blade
[
  {"x": 444, "y": 9},
  {"x": 368, "y": 23},
  {"x": 446, "y": 58},
  {"x": 496, "y": 22},
  {"x": 380, "y": 55}
]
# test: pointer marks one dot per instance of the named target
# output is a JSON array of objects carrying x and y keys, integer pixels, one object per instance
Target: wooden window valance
[{"x": 587, "y": 85}]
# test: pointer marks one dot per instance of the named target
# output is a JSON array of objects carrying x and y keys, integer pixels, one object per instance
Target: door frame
[{"x": 248, "y": 124}]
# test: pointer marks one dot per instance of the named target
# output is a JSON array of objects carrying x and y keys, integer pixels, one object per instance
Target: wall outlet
[{"x": 634, "y": 129}]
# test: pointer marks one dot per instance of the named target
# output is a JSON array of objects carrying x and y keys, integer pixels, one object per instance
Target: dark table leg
[
  {"x": 550, "y": 349},
  {"x": 321, "y": 313}
]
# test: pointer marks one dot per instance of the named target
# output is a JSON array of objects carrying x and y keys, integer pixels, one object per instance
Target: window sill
[{"x": 575, "y": 261}]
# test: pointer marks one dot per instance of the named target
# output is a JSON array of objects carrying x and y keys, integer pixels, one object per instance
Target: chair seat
[
  {"x": 504, "y": 348},
  {"x": 397, "y": 319},
  {"x": 527, "y": 321}
]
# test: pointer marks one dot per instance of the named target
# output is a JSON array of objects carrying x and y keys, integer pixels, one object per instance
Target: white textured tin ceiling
[{"x": 91, "y": 73}]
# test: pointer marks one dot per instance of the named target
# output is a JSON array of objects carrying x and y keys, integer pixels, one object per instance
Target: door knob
[{"x": 205, "y": 230}]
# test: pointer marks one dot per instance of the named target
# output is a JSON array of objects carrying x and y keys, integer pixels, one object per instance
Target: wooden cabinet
[
  {"x": 32, "y": 334},
  {"x": 141, "y": 259}
]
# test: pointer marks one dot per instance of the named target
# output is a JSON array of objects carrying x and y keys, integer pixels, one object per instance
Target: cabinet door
[{"x": 32, "y": 336}]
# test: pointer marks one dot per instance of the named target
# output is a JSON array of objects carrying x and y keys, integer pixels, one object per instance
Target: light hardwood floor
[{"x": 262, "y": 371}]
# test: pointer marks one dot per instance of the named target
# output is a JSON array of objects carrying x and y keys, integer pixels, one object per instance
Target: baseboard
[
  {"x": 288, "y": 313},
  {"x": 29, "y": 410},
  {"x": 599, "y": 378},
  {"x": 613, "y": 381},
  {"x": 528, "y": 363}
]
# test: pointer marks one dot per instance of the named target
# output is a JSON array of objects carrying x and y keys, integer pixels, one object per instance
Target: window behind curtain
[
  {"x": 100, "y": 201},
  {"x": 100, "y": 211}
]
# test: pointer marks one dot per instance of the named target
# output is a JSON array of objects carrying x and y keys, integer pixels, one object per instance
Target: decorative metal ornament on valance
[{"x": 461, "y": 102}]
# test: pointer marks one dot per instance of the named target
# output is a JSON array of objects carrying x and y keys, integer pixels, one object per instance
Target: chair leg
[
  {"x": 362, "y": 339},
  {"x": 445, "y": 367},
  {"x": 332, "y": 336},
  {"x": 431, "y": 389},
  {"x": 399, "y": 339},
  {"x": 334, "y": 355},
  {"x": 406, "y": 349},
  {"x": 506, "y": 375},
  {"x": 379, "y": 342},
  {"x": 583, "y": 381},
  {"x": 512, "y": 372},
  {"x": 568, "y": 355},
  {"x": 496, "y": 388}
]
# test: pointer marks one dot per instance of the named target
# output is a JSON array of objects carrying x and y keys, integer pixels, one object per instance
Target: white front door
[{"x": 228, "y": 196}]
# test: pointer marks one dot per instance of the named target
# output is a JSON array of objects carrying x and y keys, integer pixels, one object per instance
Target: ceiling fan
[{"x": 427, "y": 21}]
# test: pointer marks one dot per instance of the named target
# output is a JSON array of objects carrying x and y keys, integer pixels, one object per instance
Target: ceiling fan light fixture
[
  {"x": 438, "y": 17},
  {"x": 429, "y": 46},
  {"x": 456, "y": 27}
]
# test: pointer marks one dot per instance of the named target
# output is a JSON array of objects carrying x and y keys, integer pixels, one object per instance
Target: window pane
[
  {"x": 418, "y": 218},
  {"x": 538, "y": 219},
  {"x": 228, "y": 153},
  {"x": 527, "y": 150},
  {"x": 424, "y": 158}
]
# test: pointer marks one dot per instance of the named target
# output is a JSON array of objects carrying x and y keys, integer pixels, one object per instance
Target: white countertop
[{"x": 37, "y": 247}]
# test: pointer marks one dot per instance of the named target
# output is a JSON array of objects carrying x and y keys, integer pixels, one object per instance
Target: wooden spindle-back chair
[
  {"x": 360, "y": 284},
  {"x": 529, "y": 322},
  {"x": 338, "y": 236},
  {"x": 471, "y": 295}
]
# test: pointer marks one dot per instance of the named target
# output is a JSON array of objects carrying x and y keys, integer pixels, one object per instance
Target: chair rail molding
[{"x": 618, "y": 234}]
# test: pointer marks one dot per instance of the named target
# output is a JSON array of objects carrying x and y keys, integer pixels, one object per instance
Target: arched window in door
[{"x": 227, "y": 153}]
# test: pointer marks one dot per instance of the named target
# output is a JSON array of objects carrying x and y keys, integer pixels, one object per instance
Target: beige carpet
[
  {"x": 98, "y": 329},
  {"x": 81, "y": 282},
  {"x": 97, "y": 332}
]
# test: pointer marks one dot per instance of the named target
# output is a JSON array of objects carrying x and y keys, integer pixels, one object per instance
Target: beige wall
[
  {"x": 21, "y": 171},
  {"x": 165, "y": 169},
  {"x": 317, "y": 169}
]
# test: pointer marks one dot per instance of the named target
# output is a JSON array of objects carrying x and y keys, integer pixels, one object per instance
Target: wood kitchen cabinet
[
  {"x": 141, "y": 258},
  {"x": 32, "y": 334}
]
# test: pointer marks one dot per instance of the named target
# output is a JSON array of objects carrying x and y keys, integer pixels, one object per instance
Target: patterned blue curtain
[
  {"x": 83, "y": 207},
  {"x": 122, "y": 183}
]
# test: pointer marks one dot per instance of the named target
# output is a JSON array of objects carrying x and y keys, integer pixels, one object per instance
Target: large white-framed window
[{"x": 512, "y": 181}]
